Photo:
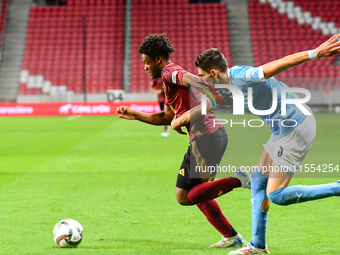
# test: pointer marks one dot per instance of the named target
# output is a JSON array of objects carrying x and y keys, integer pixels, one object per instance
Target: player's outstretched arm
[
  {"x": 188, "y": 79},
  {"x": 326, "y": 49},
  {"x": 159, "y": 118}
]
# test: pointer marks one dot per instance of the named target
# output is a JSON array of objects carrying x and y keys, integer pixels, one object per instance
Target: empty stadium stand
[
  {"x": 192, "y": 28},
  {"x": 53, "y": 60},
  {"x": 274, "y": 35},
  {"x": 94, "y": 2}
]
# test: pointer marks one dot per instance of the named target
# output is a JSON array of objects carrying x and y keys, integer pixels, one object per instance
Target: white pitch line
[{"x": 74, "y": 117}]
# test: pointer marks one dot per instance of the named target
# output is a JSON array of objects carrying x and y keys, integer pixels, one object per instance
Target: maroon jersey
[
  {"x": 158, "y": 84},
  {"x": 180, "y": 99}
]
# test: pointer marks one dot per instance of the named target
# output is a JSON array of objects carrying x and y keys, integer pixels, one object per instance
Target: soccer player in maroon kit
[
  {"x": 207, "y": 141},
  {"x": 156, "y": 87}
]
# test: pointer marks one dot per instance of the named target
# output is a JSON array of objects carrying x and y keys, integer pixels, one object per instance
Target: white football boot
[
  {"x": 249, "y": 249},
  {"x": 235, "y": 241},
  {"x": 242, "y": 174}
]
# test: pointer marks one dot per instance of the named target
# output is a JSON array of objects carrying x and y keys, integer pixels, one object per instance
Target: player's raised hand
[
  {"x": 126, "y": 113},
  {"x": 329, "y": 48}
]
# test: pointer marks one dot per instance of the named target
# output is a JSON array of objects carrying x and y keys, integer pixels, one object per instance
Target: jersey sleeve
[
  {"x": 173, "y": 75},
  {"x": 246, "y": 75}
]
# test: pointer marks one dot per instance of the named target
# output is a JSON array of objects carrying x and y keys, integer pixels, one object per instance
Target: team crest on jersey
[{"x": 280, "y": 152}]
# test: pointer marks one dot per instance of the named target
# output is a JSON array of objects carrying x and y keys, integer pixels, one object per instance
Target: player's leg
[
  {"x": 260, "y": 206},
  {"x": 206, "y": 191},
  {"x": 277, "y": 152},
  {"x": 288, "y": 151},
  {"x": 190, "y": 188},
  {"x": 181, "y": 196},
  {"x": 279, "y": 193},
  {"x": 295, "y": 148},
  {"x": 209, "y": 207},
  {"x": 213, "y": 213},
  {"x": 208, "y": 151},
  {"x": 184, "y": 182},
  {"x": 260, "y": 201}
]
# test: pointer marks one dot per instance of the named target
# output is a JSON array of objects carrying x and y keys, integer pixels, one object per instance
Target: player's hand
[
  {"x": 126, "y": 113},
  {"x": 179, "y": 131},
  {"x": 176, "y": 125},
  {"x": 330, "y": 47}
]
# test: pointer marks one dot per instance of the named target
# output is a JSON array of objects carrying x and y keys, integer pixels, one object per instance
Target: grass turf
[{"x": 117, "y": 178}]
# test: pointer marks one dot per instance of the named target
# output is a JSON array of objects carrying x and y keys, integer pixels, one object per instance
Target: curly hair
[
  {"x": 156, "y": 45},
  {"x": 211, "y": 58}
]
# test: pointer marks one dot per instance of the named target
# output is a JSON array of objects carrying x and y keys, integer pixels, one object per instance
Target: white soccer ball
[{"x": 68, "y": 233}]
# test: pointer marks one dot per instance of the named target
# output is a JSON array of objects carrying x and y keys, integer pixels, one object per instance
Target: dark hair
[
  {"x": 156, "y": 45},
  {"x": 211, "y": 58}
]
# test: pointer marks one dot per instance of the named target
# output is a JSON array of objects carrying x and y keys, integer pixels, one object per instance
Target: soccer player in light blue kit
[{"x": 290, "y": 140}]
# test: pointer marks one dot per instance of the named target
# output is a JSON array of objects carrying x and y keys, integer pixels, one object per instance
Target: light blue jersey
[{"x": 244, "y": 77}]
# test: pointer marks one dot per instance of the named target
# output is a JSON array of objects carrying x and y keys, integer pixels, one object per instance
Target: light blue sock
[
  {"x": 258, "y": 216},
  {"x": 302, "y": 193}
]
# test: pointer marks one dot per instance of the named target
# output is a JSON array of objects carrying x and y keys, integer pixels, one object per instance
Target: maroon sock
[
  {"x": 210, "y": 190},
  {"x": 215, "y": 216}
]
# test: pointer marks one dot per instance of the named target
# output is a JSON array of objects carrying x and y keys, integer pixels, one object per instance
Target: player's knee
[
  {"x": 259, "y": 180},
  {"x": 265, "y": 205},
  {"x": 276, "y": 197},
  {"x": 181, "y": 199}
]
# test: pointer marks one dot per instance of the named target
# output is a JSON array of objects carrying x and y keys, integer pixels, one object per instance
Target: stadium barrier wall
[{"x": 73, "y": 108}]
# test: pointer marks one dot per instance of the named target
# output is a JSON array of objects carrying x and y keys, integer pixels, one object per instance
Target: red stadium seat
[
  {"x": 54, "y": 46},
  {"x": 323, "y": 9}
]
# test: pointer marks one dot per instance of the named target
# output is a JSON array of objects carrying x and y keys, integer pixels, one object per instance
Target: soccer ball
[{"x": 68, "y": 233}]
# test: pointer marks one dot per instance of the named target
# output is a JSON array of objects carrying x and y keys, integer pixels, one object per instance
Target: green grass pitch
[{"x": 117, "y": 178}]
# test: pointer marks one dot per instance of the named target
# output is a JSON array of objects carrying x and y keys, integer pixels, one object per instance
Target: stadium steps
[
  {"x": 13, "y": 49},
  {"x": 239, "y": 32},
  {"x": 127, "y": 46}
]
